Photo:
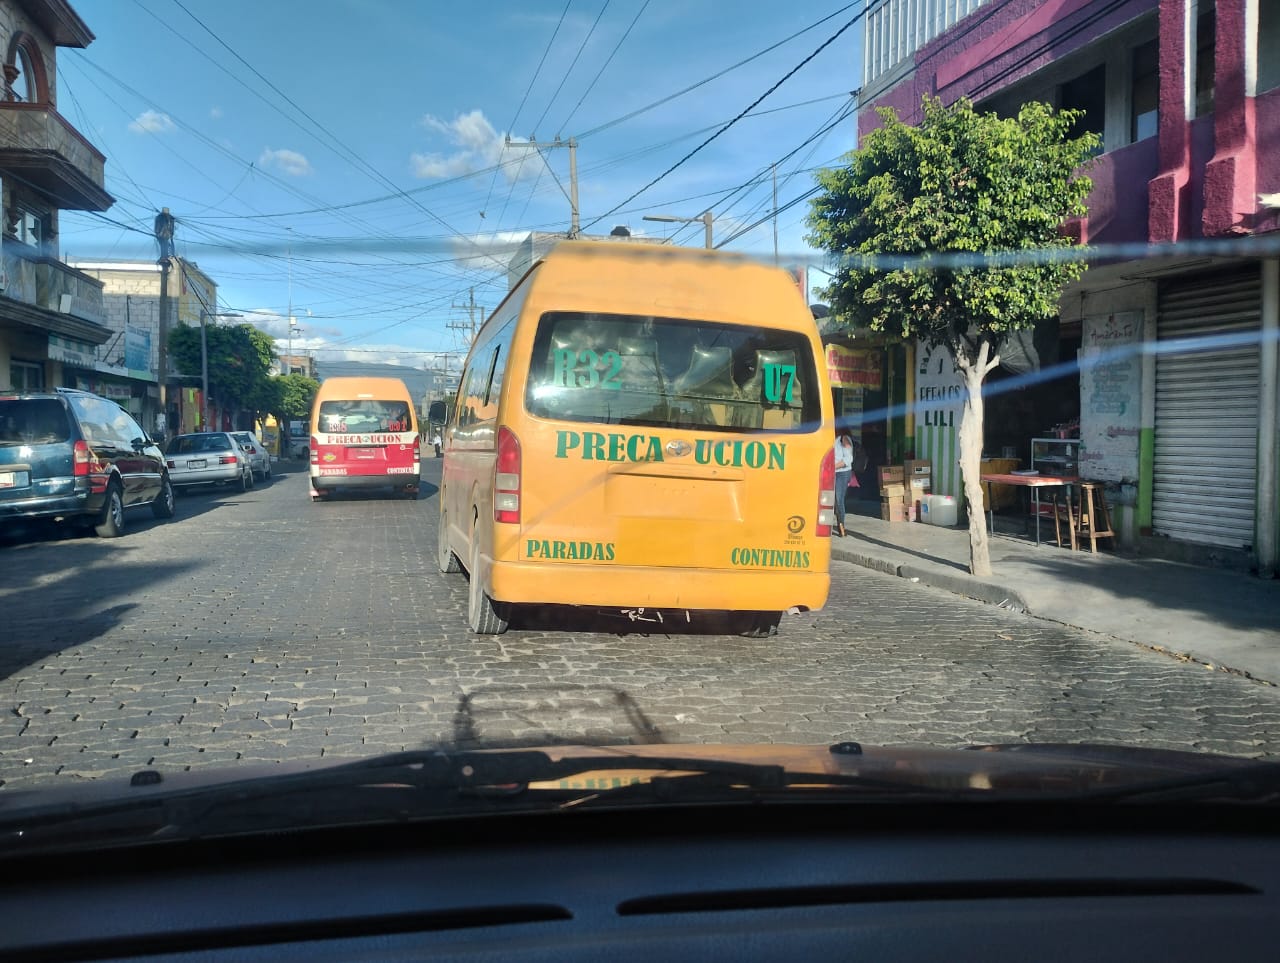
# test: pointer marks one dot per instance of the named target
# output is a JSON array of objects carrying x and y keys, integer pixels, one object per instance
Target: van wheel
[
  {"x": 756, "y": 625},
  {"x": 484, "y": 615},
  {"x": 446, "y": 561},
  {"x": 162, "y": 507},
  {"x": 111, "y": 524}
]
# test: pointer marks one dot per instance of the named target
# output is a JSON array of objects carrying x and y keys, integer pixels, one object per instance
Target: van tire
[
  {"x": 446, "y": 561},
  {"x": 484, "y": 615},
  {"x": 111, "y": 523}
]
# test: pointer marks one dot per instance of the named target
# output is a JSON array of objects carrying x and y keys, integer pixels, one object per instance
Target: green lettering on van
[
  {"x": 562, "y": 362},
  {"x": 616, "y": 450},
  {"x": 566, "y": 441}
]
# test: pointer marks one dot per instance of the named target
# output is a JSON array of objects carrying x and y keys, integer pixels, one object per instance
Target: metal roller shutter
[{"x": 1206, "y": 417}]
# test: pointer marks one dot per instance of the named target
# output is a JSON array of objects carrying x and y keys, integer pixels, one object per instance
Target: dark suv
[{"x": 70, "y": 454}]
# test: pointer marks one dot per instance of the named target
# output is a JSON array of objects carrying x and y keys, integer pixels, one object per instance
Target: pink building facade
[{"x": 1175, "y": 326}]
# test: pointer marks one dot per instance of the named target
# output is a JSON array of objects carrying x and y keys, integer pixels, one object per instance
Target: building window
[
  {"x": 1145, "y": 113},
  {"x": 26, "y": 376},
  {"x": 1268, "y": 38},
  {"x": 1206, "y": 32},
  {"x": 1088, "y": 93},
  {"x": 24, "y": 74},
  {"x": 28, "y": 225}
]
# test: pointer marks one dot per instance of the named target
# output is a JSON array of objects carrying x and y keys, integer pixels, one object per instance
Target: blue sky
[{"x": 357, "y": 146}]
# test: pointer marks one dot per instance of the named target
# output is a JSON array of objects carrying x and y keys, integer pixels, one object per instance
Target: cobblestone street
[{"x": 259, "y": 627}]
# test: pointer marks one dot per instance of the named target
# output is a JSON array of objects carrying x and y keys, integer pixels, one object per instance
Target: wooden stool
[
  {"x": 1060, "y": 511},
  {"x": 1094, "y": 521}
]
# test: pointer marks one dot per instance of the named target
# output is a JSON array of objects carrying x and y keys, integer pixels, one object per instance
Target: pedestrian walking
[
  {"x": 438, "y": 442},
  {"x": 844, "y": 473}
]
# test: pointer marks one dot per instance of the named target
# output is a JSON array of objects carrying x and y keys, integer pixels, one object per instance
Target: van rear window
[
  {"x": 33, "y": 421},
  {"x": 363, "y": 416},
  {"x": 671, "y": 372}
]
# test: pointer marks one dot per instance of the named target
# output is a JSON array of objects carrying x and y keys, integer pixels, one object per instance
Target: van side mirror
[{"x": 437, "y": 413}]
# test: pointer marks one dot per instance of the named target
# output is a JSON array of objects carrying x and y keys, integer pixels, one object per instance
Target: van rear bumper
[
  {"x": 336, "y": 482},
  {"x": 625, "y": 586}
]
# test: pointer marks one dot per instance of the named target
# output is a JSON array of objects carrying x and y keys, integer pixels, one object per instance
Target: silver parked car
[
  {"x": 259, "y": 457},
  {"x": 208, "y": 458}
]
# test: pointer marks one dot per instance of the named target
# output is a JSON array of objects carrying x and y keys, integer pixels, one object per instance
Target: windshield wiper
[
  {"x": 1257, "y": 782},
  {"x": 408, "y": 785}
]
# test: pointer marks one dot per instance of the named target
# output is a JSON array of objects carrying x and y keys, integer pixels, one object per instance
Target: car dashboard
[{"x": 745, "y": 882}]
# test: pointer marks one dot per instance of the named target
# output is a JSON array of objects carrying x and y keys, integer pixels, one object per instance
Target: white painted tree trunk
[{"x": 975, "y": 371}]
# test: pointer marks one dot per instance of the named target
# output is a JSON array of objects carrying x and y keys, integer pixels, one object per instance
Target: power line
[
  {"x": 608, "y": 60},
  {"x": 523, "y": 100},
  {"x": 785, "y": 77},
  {"x": 716, "y": 76},
  {"x": 581, "y": 47},
  {"x": 351, "y": 154}
]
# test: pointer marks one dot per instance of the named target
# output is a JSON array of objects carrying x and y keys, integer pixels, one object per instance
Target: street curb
[{"x": 957, "y": 583}]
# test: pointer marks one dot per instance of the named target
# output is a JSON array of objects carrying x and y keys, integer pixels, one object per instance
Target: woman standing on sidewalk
[{"x": 844, "y": 471}]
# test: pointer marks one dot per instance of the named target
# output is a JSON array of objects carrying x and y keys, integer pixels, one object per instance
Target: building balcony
[
  {"x": 1118, "y": 207},
  {"x": 39, "y": 147},
  {"x": 43, "y": 293}
]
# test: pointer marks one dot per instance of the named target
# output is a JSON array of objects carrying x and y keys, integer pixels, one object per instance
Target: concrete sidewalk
[{"x": 1223, "y": 619}]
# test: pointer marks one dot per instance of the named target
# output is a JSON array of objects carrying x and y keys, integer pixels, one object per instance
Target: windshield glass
[
  {"x": 342, "y": 417},
  {"x": 663, "y": 376},
  {"x": 186, "y": 444},
  {"x": 623, "y": 369}
]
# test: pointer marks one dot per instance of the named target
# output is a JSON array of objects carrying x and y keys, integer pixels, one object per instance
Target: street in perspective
[{"x": 259, "y": 627}]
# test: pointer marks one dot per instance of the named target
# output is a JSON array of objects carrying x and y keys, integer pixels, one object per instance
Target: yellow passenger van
[
  {"x": 364, "y": 435},
  {"x": 644, "y": 429}
]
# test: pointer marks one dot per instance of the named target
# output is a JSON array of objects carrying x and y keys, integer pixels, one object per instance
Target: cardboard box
[
  {"x": 918, "y": 468},
  {"x": 892, "y": 510},
  {"x": 895, "y": 491},
  {"x": 891, "y": 474}
]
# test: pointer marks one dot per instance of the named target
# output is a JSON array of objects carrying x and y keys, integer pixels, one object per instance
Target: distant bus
[
  {"x": 364, "y": 435},
  {"x": 642, "y": 428}
]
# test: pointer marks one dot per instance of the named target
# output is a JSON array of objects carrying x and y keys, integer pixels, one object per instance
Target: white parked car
[
  {"x": 259, "y": 457},
  {"x": 208, "y": 458}
]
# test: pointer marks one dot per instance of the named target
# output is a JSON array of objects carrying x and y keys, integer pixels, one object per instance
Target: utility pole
[
  {"x": 572, "y": 196},
  {"x": 164, "y": 237},
  {"x": 204, "y": 372},
  {"x": 469, "y": 325}
]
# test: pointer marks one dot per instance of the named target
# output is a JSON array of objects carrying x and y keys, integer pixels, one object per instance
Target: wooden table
[{"x": 1035, "y": 483}]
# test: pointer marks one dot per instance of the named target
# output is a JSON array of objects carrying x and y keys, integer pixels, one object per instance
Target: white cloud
[
  {"x": 307, "y": 330},
  {"x": 215, "y": 113},
  {"x": 288, "y": 161},
  {"x": 151, "y": 122},
  {"x": 477, "y": 145}
]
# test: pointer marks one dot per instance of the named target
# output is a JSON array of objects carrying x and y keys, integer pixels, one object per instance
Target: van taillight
[
  {"x": 315, "y": 455},
  {"x": 506, "y": 478},
  {"x": 80, "y": 455},
  {"x": 827, "y": 493}
]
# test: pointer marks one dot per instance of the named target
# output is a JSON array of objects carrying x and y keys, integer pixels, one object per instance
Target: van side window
[{"x": 482, "y": 381}]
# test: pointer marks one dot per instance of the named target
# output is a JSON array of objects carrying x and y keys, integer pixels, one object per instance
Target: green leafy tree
[
  {"x": 958, "y": 183},
  {"x": 239, "y": 360},
  {"x": 297, "y": 392}
]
